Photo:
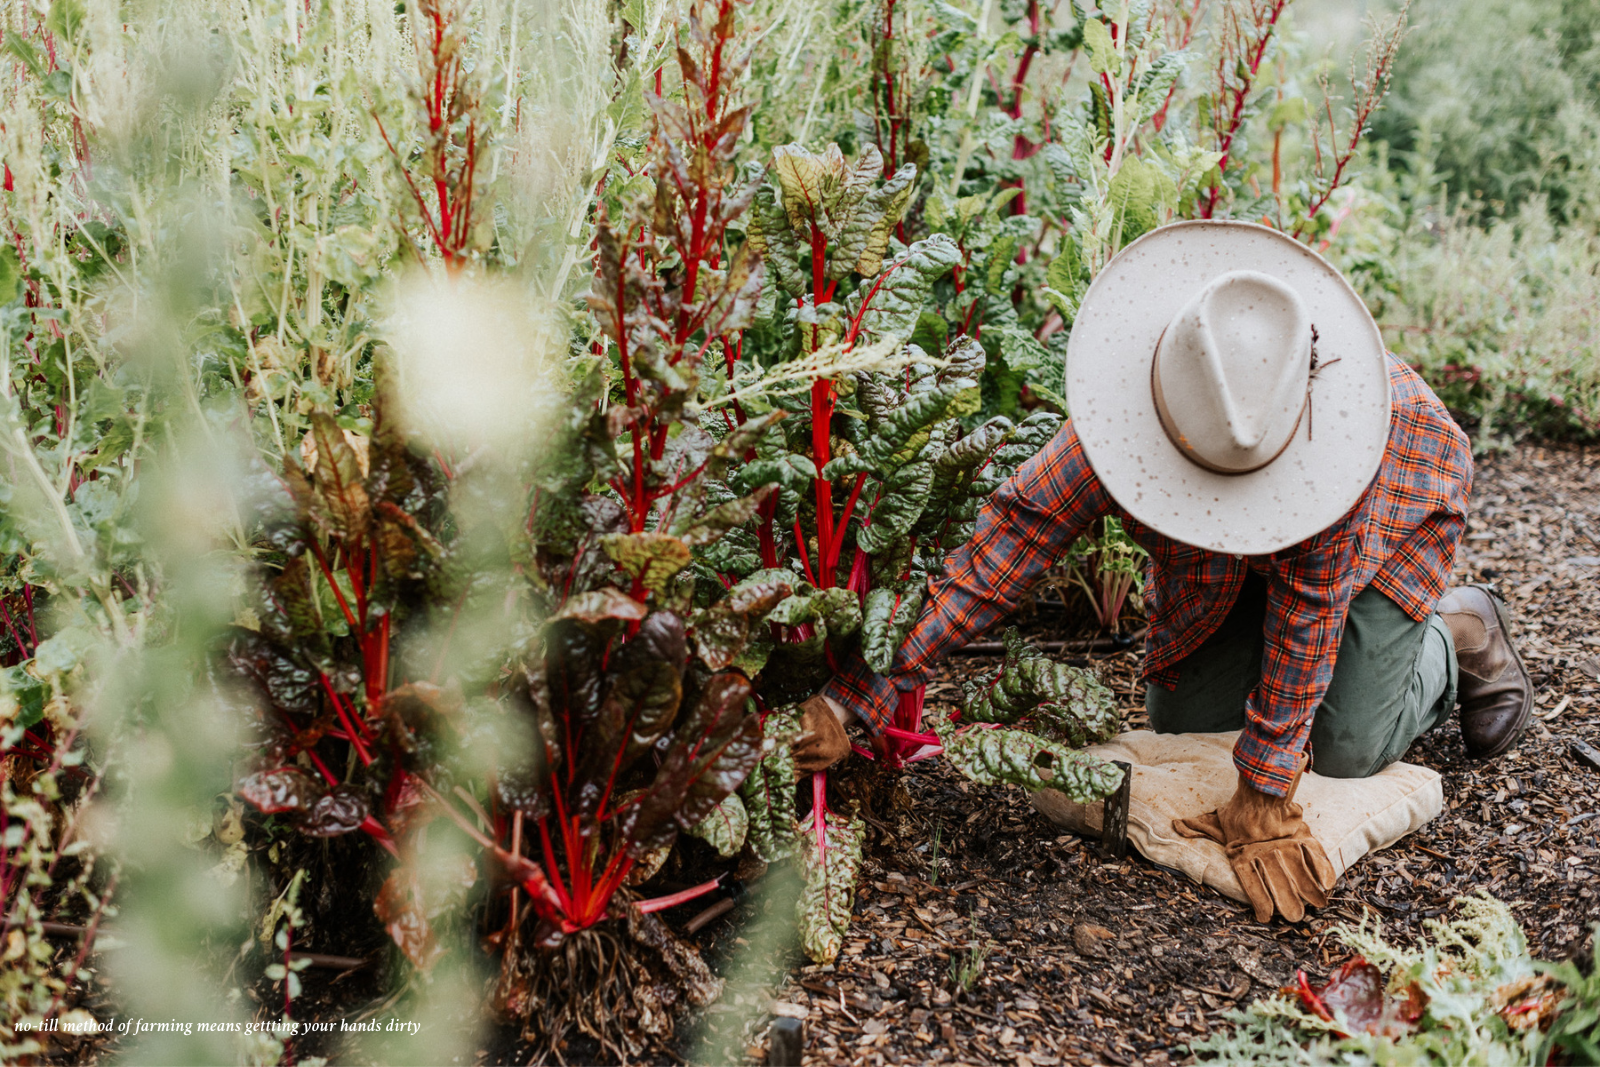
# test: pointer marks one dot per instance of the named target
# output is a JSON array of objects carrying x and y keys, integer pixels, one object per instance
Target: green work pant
[{"x": 1394, "y": 679}]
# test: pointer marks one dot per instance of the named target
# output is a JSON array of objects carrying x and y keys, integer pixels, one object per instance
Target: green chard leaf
[
  {"x": 992, "y": 755},
  {"x": 768, "y": 793},
  {"x": 726, "y": 828},
  {"x": 894, "y": 299},
  {"x": 830, "y": 887},
  {"x": 888, "y": 618},
  {"x": 651, "y": 558},
  {"x": 905, "y": 495}
]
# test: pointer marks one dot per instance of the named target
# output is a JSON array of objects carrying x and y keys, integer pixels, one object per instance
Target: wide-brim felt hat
[{"x": 1230, "y": 389}]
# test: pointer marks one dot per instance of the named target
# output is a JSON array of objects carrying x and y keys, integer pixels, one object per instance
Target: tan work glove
[
  {"x": 822, "y": 741},
  {"x": 1280, "y": 865}
]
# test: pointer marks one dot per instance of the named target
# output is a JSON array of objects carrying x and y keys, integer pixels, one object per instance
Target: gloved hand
[
  {"x": 1279, "y": 864},
  {"x": 822, "y": 741}
]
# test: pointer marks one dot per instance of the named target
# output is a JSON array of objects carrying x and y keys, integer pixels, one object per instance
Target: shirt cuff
[
  {"x": 871, "y": 696},
  {"x": 1263, "y": 765}
]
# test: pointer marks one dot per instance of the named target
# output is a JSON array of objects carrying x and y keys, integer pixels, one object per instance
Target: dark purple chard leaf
[
  {"x": 648, "y": 823},
  {"x": 645, "y": 691},
  {"x": 391, "y": 477},
  {"x": 724, "y": 745},
  {"x": 284, "y": 789},
  {"x": 649, "y": 681},
  {"x": 720, "y": 634},
  {"x": 342, "y": 505},
  {"x": 709, "y": 755},
  {"x": 290, "y": 594},
  {"x": 525, "y": 786},
  {"x": 722, "y": 631},
  {"x": 573, "y": 673},
  {"x": 599, "y": 606},
  {"x": 338, "y": 811},
  {"x": 399, "y": 559},
  {"x": 288, "y": 683}
]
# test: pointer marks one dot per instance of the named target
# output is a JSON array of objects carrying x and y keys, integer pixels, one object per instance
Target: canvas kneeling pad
[{"x": 1178, "y": 776}]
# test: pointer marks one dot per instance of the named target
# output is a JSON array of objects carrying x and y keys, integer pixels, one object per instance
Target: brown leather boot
[{"x": 1494, "y": 690}]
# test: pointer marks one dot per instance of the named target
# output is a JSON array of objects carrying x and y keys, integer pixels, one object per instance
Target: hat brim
[{"x": 1336, "y": 450}]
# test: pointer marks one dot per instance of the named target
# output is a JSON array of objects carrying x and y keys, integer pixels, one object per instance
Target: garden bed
[
  {"x": 1096, "y": 962},
  {"x": 1084, "y": 961}
]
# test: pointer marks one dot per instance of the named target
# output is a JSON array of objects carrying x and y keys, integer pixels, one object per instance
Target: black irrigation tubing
[{"x": 1096, "y": 644}]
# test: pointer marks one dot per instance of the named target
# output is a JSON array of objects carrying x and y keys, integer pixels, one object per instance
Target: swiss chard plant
[
  {"x": 350, "y": 556},
  {"x": 1024, "y": 721},
  {"x": 1108, "y": 566}
]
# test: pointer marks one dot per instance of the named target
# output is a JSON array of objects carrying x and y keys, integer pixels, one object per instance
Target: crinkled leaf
[
  {"x": 287, "y": 682},
  {"x": 712, "y": 751},
  {"x": 863, "y": 237},
  {"x": 736, "y": 552},
  {"x": 769, "y": 791},
  {"x": 845, "y": 465},
  {"x": 724, "y": 517},
  {"x": 895, "y": 298},
  {"x": 836, "y": 609},
  {"x": 830, "y": 887},
  {"x": 902, "y": 433},
  {"x": 573, "y": 655},
  {"x": 726, "y": 743},
  {"x": 722, "y": 631},
  {"x": 975, "y": 448},
  {"x": 888, "y": 617},
  {"x": 1065, "y": 703},
  {"x": 341, "y": 498},
  {"x": 338, "y": 811},
  {"x": 992, "y": 755},
  {"x": 650, "y": 558},
  {"x": 280, "y": 790},
  {"x": 1023, "y": 353},
  {"x": 905, "y": 495},
  {"x": 645, "y": 693},
  {"x": 771, "y": 234},
  {"x": 600, "y": 604},
  {"x": 801, "y": 174},
  {"x": 725, "y": 828},
  {"x": 791, "y": 471},
  {"x": 649, "y": 864}
]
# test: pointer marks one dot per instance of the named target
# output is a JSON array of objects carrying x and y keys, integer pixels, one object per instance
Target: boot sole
[{"x": 1527, "y": 706}]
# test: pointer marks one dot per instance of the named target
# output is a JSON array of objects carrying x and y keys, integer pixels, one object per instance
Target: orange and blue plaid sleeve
[
  {"x": 1308, "y": 597},
  {"x": 1027, "y": 524},
  {"x": 1411, "y": 517}
]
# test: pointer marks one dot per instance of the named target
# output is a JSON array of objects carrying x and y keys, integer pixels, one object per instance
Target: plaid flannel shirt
[{"x": 1400, "y": 537}]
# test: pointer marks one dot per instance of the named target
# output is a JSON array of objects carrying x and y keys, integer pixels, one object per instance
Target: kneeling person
[{"x": 1301, "y": 493}]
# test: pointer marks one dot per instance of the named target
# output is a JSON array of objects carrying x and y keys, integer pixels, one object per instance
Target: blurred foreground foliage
[{"x": 442, "y": 443}]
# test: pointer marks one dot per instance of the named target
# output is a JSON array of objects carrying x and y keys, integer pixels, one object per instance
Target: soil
[
  {"x": 985, "y": 934},
  {"x": 1075, "y": 960}
]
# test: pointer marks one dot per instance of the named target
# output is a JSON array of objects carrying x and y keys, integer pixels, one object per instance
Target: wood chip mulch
[{"x": 1068, "y": 959}]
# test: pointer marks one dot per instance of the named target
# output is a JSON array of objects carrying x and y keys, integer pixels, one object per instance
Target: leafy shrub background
[{"x": 1476, "y": 240}]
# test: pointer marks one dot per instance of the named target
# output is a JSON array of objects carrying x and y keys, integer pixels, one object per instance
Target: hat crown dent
[{"x": 1234, "y": 365}]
